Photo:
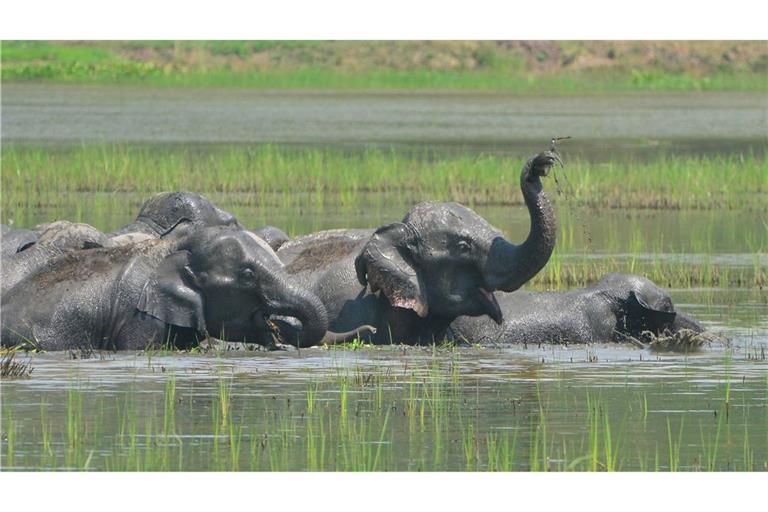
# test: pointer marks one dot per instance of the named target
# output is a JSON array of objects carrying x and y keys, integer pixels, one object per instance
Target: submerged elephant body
[
  {"x": 158, "y": 292},
  {"x": 56, "y": 238},
  {"x": 411, "y": 279},
  {"x": 616, "y": 308}
]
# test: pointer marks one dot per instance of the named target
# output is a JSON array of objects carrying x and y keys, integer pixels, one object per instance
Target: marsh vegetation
[
  {"x": 393, "y": 409},
  {"x": 691, "y": 216}
]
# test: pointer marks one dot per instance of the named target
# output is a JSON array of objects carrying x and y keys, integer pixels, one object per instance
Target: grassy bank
[
  {"x": 266, "y": 175},
  {"x": 516, "y": 66}
]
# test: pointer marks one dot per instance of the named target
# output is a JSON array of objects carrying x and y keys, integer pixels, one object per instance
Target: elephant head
[
  {"x": 63, "y": 236},
  {"x": 55, "y": 239},
  {"x": 163, "y": 213},
  {"x": 218, "y": 276},
  {"x": 444, "y": 260},
  {"x": 640, "y": 306},
  {"x": 274, "y": 236},
  {"x": 16, "y": 240}
]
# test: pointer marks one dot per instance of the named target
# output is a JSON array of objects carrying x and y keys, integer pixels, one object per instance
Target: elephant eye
[
  {"x": 247, "y": 274},
  {"x": 464, "y": 246}
]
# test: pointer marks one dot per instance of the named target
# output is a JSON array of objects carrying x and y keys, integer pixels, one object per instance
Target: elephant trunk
[
  {"x": 510, "y": 266},
  {"x": 302, "y": 305},
  {"x": 333, "y": 338}
]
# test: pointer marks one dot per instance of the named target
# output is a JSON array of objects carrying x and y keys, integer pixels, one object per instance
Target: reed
[
  {"x": 269, "y": 176},
  {"x": 426, "y": 415}
]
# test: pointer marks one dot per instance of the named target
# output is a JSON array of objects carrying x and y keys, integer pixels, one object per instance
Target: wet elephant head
[
  {"x": 64, "y": 236},
  {"x": 163, "y": 213},
  {"x": 640, "y": 306},
  {"x": 445, "y": 260},
  {"x": 16, "y": 240},
  {"x": 219, "y": 276},
  {"x": 274, "y": 236}
]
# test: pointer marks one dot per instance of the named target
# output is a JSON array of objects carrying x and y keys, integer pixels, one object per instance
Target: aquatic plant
[{"x": 10, "y": 368}]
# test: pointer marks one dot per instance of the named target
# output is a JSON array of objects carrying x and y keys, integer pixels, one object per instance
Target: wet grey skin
[
  {"x": 171, "y": 292},
  {"x": 14, "y": 240},
  {"x": 616, "y": 308},
  {"x": 274, "y": 236},
  {"x": 411, "y": 279},
  {"x": 54, "y": 240},
  {"x": 175, "y": 213}
]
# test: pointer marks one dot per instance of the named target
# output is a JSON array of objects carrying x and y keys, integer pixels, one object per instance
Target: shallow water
[
  {"x": 404, "y": 408},
  {"x": 662, "y": 412},
  {"x": 576, "y": 407},
  {"x": 605, "y": 125}
]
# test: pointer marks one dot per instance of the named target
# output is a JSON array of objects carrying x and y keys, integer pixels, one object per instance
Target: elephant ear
[
  {"x": 649, "y": 317},
  {"x": 171, "y": 296},
  {"x": 385, "y": 264}
]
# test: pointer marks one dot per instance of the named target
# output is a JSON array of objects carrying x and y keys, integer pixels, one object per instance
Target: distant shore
[{"x": 525, "y": 67}]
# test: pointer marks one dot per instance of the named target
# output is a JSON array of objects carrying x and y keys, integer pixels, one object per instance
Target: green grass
[
  {"x": 431, "y": 417},
  {"x": 320, "y": 65},
  {"x": 105, "y": 185},
  {"x": 276, "y": 175},
  {"x": 137, "y": 73}
]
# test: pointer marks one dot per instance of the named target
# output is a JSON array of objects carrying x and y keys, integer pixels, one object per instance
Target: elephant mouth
[
  {"x": 263, "y": 323},
  {"x": 490, "y": 304},
  {"x": 274, "y": 331}
]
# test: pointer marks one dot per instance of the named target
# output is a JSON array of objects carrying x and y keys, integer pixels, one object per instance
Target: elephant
[
  {"x": 166, "y": 211},
  {"x": 56, "y": 238},
  {"x": 274, "y": 236},
  {"x": 411, "y": 279},
  {"x": 15, "y": 240},
  {"x": 619, "y": 307},
  {"x": 168, "y": 292}
]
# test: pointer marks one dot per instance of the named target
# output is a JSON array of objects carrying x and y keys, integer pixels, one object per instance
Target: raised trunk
[
  {"x": 303, "y": 305},
  {"x": 510, "y": 266}
]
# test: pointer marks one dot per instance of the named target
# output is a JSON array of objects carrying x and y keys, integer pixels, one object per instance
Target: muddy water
[
  {"x": 398, "y": 408},
  {"x": 394, "y": 408},
  {"x": 416, "y": 409}
]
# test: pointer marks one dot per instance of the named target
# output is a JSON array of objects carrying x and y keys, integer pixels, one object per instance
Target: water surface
[
  {"x": 408, "y": 408},
  {"x": 605, "y": 125}
]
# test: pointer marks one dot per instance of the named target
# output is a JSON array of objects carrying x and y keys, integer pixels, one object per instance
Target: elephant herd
[{"x": 186, "y": 270}]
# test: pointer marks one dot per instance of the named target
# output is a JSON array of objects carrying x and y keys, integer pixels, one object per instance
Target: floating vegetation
[{"x": 684, "y": 340}]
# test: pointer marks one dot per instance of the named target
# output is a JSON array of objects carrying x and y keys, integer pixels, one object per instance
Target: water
[
  {"x": 605, "y": 125},
  {"x": 394, "y": 408}
]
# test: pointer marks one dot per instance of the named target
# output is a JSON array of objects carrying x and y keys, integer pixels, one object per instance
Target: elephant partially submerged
[
  {"x": 13, "y": 240},
  {"x": 274, "y": 236},
  {"x": 55, "y": 239},
  {"x": 619, "y": 307},
  {"x": 160, "y": 292},
  {"x": 411, "y": 279},
  {"x": 166, "y": 211},
  {"x": 178, "y": 213}
]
